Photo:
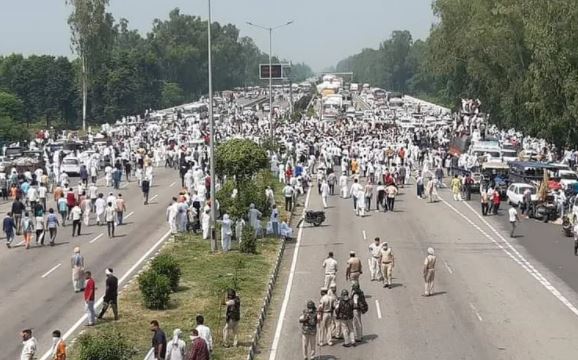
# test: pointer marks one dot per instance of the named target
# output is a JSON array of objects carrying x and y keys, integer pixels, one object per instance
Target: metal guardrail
[{"x": 150, "y": 355}]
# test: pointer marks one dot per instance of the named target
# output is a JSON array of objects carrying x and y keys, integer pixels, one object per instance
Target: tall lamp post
[
  {"x": 270, "y": 30},
  {"x": 212, "y": 141}
]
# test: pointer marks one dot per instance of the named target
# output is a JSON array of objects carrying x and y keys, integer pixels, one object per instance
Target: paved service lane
[
  {"x": 492, "y": 300},
  {"x": 36, "y": 289}
]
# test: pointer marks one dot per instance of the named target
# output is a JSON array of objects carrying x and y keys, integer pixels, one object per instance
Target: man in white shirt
[
  {"x": 356, "y": 192},
  {"x": 76, "y": 214},
  {"x": 330, "y": 266},
  {"x": 29, "y": 345},
  {"x": 32, "y": 196},
  {"x": 288, "y": 193},
  {"x": 324, "y": 192},
  {"x": 204, "y": 332},
  {"x": 374, "y": 260},
  {"x": 42, "y": 191},
  {"x": 513, "y": 215}
]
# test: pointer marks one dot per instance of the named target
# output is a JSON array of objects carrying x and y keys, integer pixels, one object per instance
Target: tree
[
  {"x": 11, "y": 106},
  {"x": 92, "y": 40},
  {"x": 172, "y": 95},
  {"x": 12, "y": 130},
  {"x": 240, "y": 159}
]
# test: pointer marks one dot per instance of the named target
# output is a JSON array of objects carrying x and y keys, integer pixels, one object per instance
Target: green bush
[
  {"x": 168, "y": 266},
  {"x": 249, "y": 240},
  {"x": 249, "y": 192},
  {"x": 155, "y": 289},
  {"x": 104, "y": 345}
]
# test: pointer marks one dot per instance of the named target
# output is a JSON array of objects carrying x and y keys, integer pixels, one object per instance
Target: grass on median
[{"x": 205, "y": 278}]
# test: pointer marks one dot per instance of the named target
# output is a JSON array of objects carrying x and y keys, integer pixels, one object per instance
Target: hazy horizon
[{"x": 323, "y": 32}]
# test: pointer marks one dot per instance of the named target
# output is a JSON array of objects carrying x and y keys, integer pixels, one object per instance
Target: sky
[{"x": 323, "y": 31}]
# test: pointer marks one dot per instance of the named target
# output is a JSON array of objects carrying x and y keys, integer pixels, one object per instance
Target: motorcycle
[{"x": 313, "y": 217}]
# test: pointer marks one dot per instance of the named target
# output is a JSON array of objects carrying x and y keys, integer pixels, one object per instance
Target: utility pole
[{"x": 212, "y": 142}]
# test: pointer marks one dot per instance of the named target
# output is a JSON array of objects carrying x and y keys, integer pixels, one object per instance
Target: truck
[{"x": 354, "y": 87}]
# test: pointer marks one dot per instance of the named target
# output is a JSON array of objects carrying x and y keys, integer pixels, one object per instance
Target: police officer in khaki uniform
[
  {"x": 335, "y": 328},
  {"x": 374, "y": 260},
  {"x": 387, "y": 263},
  {"x": 330, "y": 267},
  {"x": 325, "y": 309},
  {"x": 429, "y": 271},
  {"x": 308, "y": 321},
  {"x": 354, "y": 269}
]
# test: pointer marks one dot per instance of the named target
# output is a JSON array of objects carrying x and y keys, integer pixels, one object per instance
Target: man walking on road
[
  {"x": 110, "y": 295},
  {"x": 8, "y": 226},
  {"x": 109, "y": 217},
  {"x": 429, "y": 271},
  {"x": 324, "y": 192},
  {"x": 374, "y": 259},
  {"x": 308, "y": 321},
  {"x": 77, "y": 265},
  {"x": 325, "y": 309},
  {"x": 89, "y": 292},
  {"x": 18, "y": 209},
  {"x": 330, "y": 266},
  {"x": 76, "y": 215},
  {"x": 344, "y": 315},
  {"x": 120, "y": 207},
  {"x": 353, "y": 269},
  {"x": 514, "y": 218},
  {"x": 387, "y": 263},
  {"x": 359, "y": 308}
]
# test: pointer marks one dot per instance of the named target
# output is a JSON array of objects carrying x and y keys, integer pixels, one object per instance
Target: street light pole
[
  {"x": 213, "y": 195},
  {"x": 272, "y": 130},
  {"x": 270, "y": 30}
]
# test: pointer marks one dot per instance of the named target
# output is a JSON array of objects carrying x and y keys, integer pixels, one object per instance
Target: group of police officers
[{"x": 336, "y": 318}]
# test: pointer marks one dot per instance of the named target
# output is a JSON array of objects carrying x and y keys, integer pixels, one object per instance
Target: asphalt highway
[
  {"x": 36, "y": 286},
  {"x": 495, "y": 297}
]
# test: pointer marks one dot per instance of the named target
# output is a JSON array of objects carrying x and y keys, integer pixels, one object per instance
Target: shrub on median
[
  {"x": 104, "y": 345},
  {"x": 168, "y": 266},
  {"x": 155, "y": 289},
  {"x": 249, "y": 243}
]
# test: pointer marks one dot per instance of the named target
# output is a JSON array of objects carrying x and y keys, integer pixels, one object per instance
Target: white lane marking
[
  {"x": 51, "y": 270},
  {"x": 378, "y": 309},
  {"x": 448, "y": 267},
  {"x": 288, "y": 288},
  {"x": 129, "y": 214},
  {"x": 96, "y": 238},
  {"x": 476, "y": 312},
  {"x": 364, "y": 237},
  {"x": 516, "y": 256},
  {"x": 154, "y": 197},
  {"x": 172, "y": 184},
  {"x": 76, "y": 325}
]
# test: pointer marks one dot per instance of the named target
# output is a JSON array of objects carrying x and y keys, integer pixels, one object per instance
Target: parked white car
[
  {"x": 70, "y": 165},
  {"x": 515, "y": 193}
]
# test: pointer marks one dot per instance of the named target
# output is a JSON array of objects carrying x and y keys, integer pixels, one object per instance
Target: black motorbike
[{"x": 313, "y": 217}]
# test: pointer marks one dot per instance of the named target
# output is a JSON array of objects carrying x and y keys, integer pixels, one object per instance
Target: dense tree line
[
  {"x": 517, "y": 56},
  {"x": 125, "y": 72}
]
